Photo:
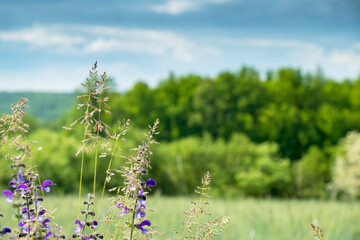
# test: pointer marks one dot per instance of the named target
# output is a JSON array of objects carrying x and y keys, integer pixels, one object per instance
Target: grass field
[{"x": 250, "y": 218}]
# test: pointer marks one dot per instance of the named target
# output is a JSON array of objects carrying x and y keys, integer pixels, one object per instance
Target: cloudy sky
[{"x": 50, "y": 45}]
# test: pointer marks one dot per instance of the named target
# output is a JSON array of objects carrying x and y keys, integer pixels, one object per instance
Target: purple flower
[
  {"x": 44, "y": 224},
  {"x": 46, "y": 221},
  {"x": 150, "y": 182},
  {"x": 125, "y": 209},
  {"x": 42, "y": 211},
  {"x": 140, "y": 212},
  {"x": 46, "y": 183},
  {"x": 9, "y": 195},
  {"x": 142, "y": 197},
  {"x": 19, "y": 176},
  {"x": 78, "y": 226},
  {"x": 22, "y": 186},
  {"x": 21, "y": 224},
  {"x": 142, "y": 224},
  {"x": 6, "y": 230},
  {"x": 47, "y": 236},
  {"x": 12, "y": 183},
  {"x": 24, "y": 212}
]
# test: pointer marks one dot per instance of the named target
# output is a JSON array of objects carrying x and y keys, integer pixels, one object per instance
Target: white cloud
[
  {"x": 151, "y": 54},
  {"x": 346, "y": 62},
  {"x": 56, "y": 79},
  {"x": 99, "y": 39},
  {"x": 141, "y": 41},
  {"x": 357, "y": 45},
  {"x": 67, "y": 79},
  {"x": 336, "y": 62},
  {"x": 266, "y": 43},
  {"x": 41, "y": 36},
  {"x": 175, "y": 7}
]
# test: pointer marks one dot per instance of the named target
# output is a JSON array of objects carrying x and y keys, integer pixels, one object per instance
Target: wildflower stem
[
  {"x": 132, "y": 223},
  {"x": 96, "y": 150},
  {"x": 208, "y": 234},
  {"x": 83, "y": 148},
  {"x": 107, "y": 172},
  {"x": 198, "y": 210},
  {"x": 87, "y": 210},
  {"x": 109, "y": 225},
  {"x": 28, "y": 213}
]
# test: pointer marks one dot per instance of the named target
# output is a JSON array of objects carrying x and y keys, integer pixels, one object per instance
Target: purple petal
[
  {"x": 151, "y": 182},
  {"x": 48, "y": 235},
  {"x": 42, "y": 212},
  {"x": 12, "y": 183},
  {"x": 77, "y": 221},
  {"x": 9, "y": 195},
  {"x": 145, "y": 223},
  {"x": 21, "y": 224},
  {"x": 46, "y": 221},
  {"x": 46, "y": 183},
  {"x": 19, "y": 176},
  {"x": 22, "y": 186},
  {"x": 6, "y": 230},
  {"x": 77, "y": 229}
]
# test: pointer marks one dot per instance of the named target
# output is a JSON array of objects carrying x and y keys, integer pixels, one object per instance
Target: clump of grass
[
  {"x": 318, "y": 233},
  {"x": 126, "y": 216},
  {"x": 26, "y": 191},
  {"x": 193, "y": 229}
]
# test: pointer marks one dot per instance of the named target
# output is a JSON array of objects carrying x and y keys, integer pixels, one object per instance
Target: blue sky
[{"x": 51, "y": 45}]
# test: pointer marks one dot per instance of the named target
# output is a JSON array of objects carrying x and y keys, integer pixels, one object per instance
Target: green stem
[
  {"x": 96, "y": 150},
  {"x": 107, "y": 173},
  {"x": 83, "y": 151}
]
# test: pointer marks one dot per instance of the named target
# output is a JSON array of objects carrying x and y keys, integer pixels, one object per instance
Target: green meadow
[{"x": 250, "y": 218}]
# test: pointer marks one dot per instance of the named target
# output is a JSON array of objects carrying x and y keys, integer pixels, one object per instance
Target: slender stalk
[
  {"x": 107, "y": 174},
  {"x": 208, "y": 234},
  {"x": 28, "y": 213},
  {"x": 87, "y": 210},
  {"x": 199, "y": 208},
  {"x": 83, "y": 149},
  {"x": 132, "y": 222},
  {"x": 96, "y": 150},
  {"x": 109, "y": 225}
]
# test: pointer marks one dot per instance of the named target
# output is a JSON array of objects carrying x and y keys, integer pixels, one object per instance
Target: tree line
[{"x": 273, "y": 136}]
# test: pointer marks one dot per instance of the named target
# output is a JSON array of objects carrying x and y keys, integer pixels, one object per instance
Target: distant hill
[{"x": 44, "y": 106}]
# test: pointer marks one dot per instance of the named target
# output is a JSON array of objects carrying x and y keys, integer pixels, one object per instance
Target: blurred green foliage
[
  {"x": 258, "y": 137},
  {"x": 293, "y": 109},
  {"x": 346, "y": 177},
  {"x": 45, "y": 106}
]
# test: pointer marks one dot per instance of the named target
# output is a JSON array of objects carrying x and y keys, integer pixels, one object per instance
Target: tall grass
[
  {"x": 250, "y": 218},
  {"x": 126, "y": 215}
]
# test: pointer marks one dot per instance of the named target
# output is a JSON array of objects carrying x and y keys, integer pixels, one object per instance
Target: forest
[{"x": 286, "y": 134}]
